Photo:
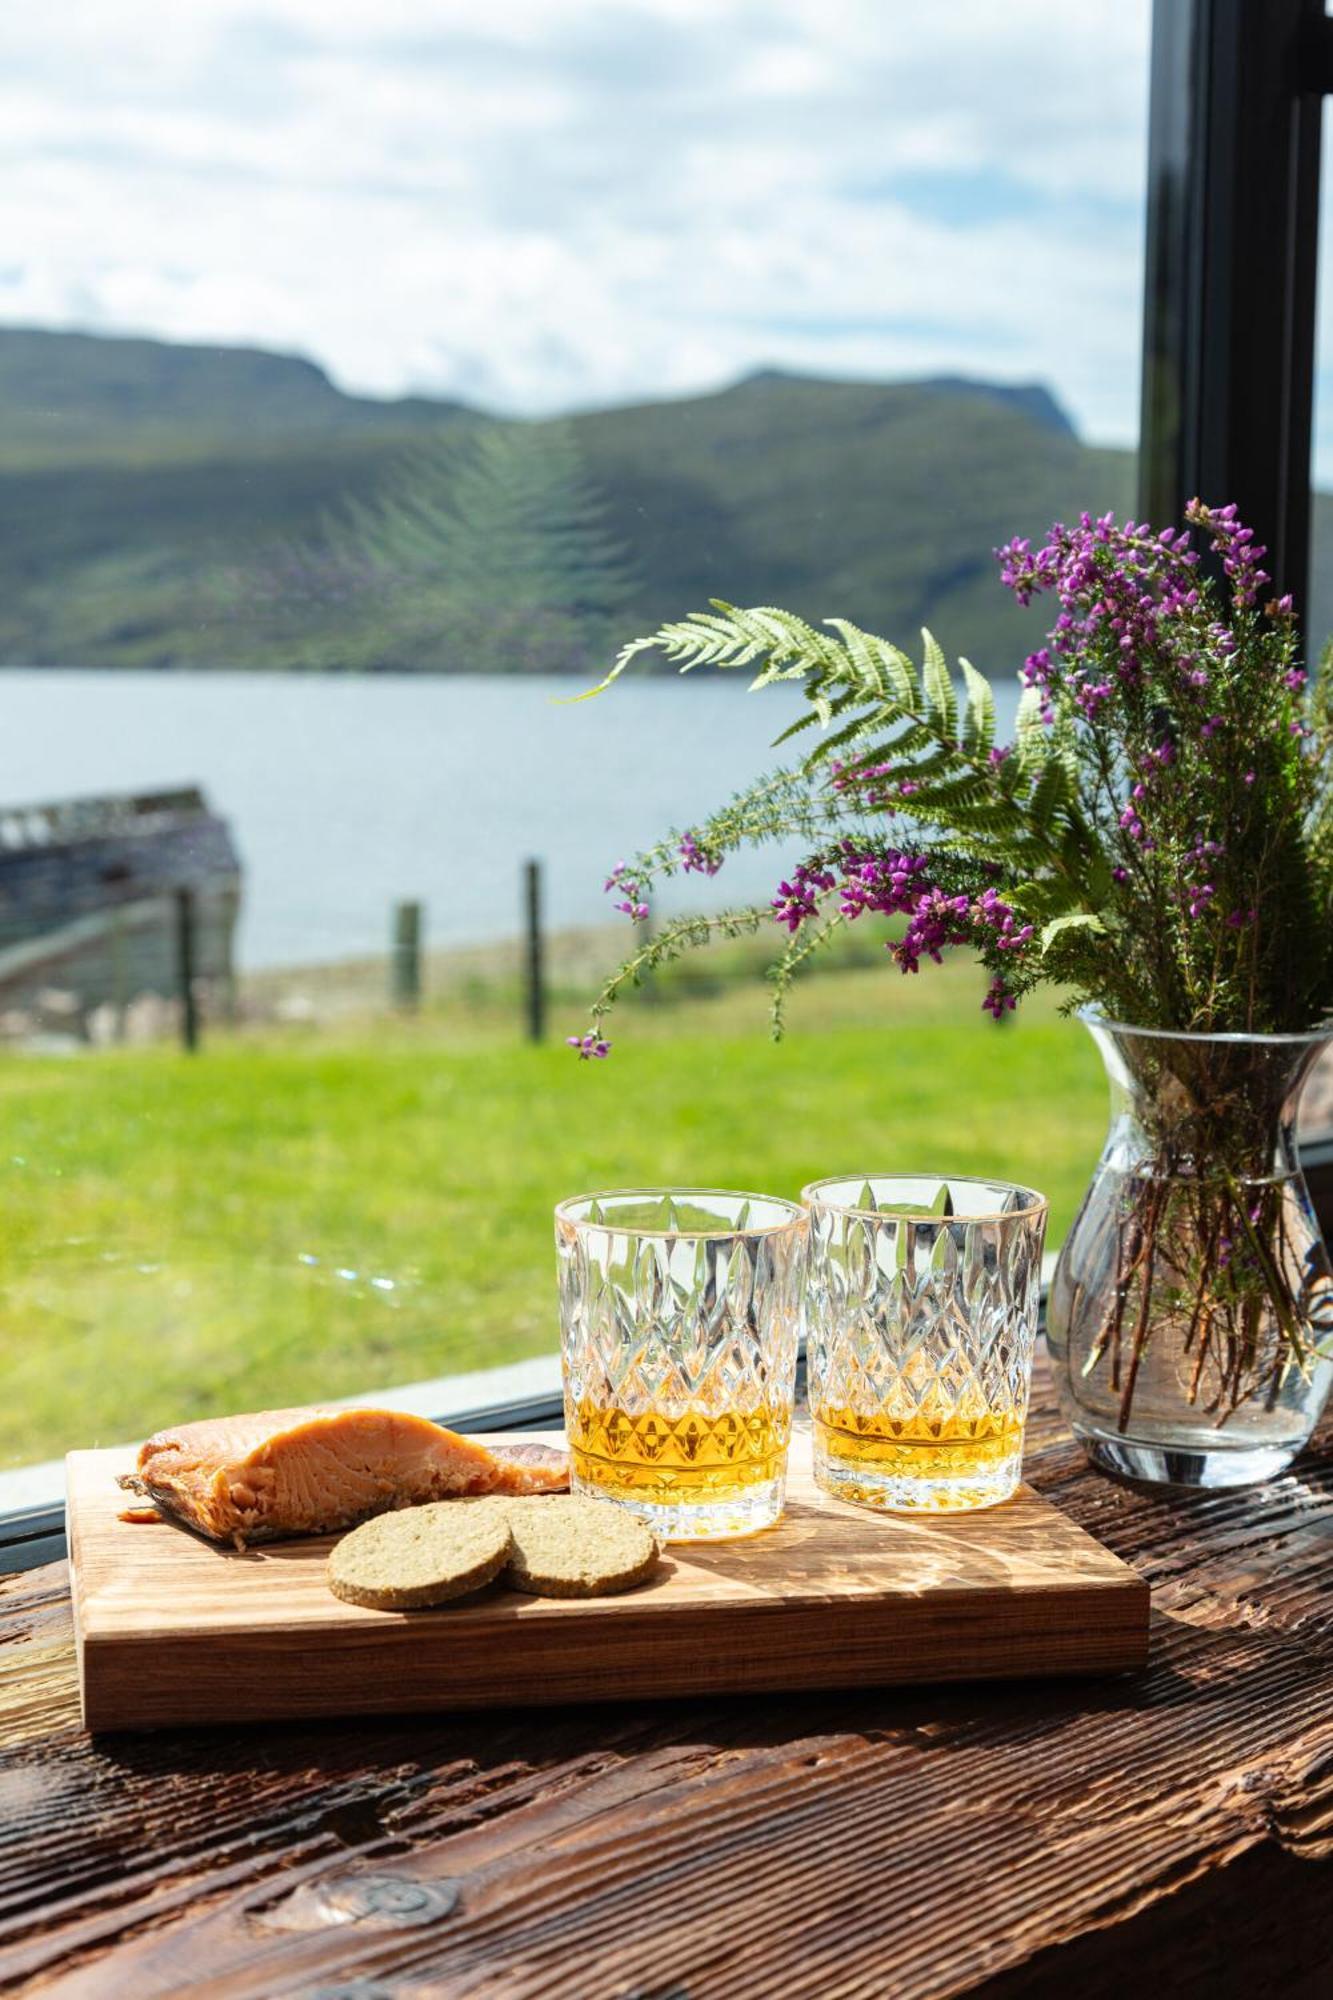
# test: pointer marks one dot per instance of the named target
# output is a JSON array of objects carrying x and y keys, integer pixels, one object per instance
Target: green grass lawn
[{"x": 307, "y": 1213}]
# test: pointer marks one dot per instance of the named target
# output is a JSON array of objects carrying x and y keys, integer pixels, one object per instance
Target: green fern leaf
[
  {"x": 939, "y": 688},
  {"x": 979, "y": 723},
  {"x": 1084, "y": 920},
  {"x": 809, "y": 720},
  {"x": 861, "y": 651},
  {"x": 1049, "y": 793},
  {"x": 1029, "y": 730}
]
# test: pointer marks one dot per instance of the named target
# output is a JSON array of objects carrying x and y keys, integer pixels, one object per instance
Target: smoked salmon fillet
[{"x": 277, "y": 1473}]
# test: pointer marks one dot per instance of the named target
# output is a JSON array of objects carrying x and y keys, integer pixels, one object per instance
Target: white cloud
[{"x": 537, "y": 203}]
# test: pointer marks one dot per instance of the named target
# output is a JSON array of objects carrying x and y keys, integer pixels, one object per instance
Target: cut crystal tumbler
[
  {"x": 921, "y": 1310},
  {"x": 680, "y": 1319}
]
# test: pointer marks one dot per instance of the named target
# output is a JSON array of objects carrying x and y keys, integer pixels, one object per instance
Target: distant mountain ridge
[
  {"x": 108, "y": 383},
  {"x": 196, "y": 507}
]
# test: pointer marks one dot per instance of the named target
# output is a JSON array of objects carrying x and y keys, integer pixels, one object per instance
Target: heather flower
[
  {"x": 1236, "y": 546},
  {"x": 634, "y": 895},
  {"x": 695, "y": 860},
  {"x": 998, "y": 999},
  {"x": 937, "y": 923},
  {"x": 989, "y": 913},
  {"x": 589, "y": 1045},
  {"x": 798, "y": 900},
  {"x": 859, "y": 778}
]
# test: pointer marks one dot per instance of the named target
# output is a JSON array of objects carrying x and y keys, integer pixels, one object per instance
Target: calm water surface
[{"x": 346, "y": 795}]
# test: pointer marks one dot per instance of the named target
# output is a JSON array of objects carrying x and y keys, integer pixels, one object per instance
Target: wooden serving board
[{"x": 172, "y": 1630}]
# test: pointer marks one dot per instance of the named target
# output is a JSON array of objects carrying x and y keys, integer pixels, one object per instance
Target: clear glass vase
[{"x": 1190, "y": 1320}]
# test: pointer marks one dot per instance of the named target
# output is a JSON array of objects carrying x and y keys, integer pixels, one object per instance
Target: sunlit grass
[{"x": 310, "y": 1212}]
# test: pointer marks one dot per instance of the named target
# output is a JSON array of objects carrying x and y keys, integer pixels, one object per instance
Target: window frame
[{"x": 1235, "y": 116}]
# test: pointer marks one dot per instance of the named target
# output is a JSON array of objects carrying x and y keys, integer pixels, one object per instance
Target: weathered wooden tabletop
[{"x": 1172, "y": 1829}]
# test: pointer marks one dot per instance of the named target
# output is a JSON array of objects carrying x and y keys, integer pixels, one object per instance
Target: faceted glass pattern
[
  {"x": 680, "y": 1321},
  {"x": 921, "y": 1311}
]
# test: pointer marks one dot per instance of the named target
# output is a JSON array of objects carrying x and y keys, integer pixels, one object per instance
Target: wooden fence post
[
  {"x": 120, "y": 984},
  {"x": 185, "y": 958},
  {"x": 533, "y": 969},
  {"x": 405, "y": 957}
]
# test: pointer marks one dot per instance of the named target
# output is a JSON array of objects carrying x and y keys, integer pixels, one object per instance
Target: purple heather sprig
[
  {"x": 590, "y": 1045},
  {"x": 634, "y": 892},
  {"x": 1119, "y": 590},
  {"x": 696, "y": 860},
  {"x": 893, "y": 883},
  {"x": 798, "y": 899},
  {"x": 1235, "y": 544},
  {"x": 999, "y": 999}
]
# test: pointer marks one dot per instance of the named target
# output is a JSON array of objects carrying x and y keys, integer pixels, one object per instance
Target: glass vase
[{"x": 1190, "y": 1321}]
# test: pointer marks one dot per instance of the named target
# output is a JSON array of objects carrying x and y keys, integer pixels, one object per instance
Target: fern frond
[
  {"x": 938, "y": 684},
  {"x": 979, "y": 722},
  {"x": 1029, "y": 730}
]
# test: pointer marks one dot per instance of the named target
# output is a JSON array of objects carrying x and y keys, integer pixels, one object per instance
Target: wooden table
[{"x": 1172, "y": 1829}]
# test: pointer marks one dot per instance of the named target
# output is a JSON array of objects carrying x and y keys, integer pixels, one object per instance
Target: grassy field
[{"x": 313, "y": 1210}]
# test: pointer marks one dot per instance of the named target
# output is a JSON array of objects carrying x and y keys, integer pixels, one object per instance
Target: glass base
[
  {"x": 1185, "y": 1466},
  {"x": 721, "y": 1518},
  {"x": 901, "y": 1492}
]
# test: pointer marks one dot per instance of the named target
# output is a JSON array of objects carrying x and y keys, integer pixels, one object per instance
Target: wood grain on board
[
  {"x": 175, "y": 1630},
  {"x": 1018, "y": 1840}
]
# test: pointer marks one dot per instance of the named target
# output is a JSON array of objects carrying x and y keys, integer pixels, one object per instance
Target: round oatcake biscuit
[
  {"x": 567, "y": 1545},
  {"x": 421, "y": 1555}
]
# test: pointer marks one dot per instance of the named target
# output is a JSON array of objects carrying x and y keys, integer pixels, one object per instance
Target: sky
[{"x": 538, "y": 205}]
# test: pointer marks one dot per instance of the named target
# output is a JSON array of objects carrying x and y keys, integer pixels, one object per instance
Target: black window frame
[{"x": 1234, "y": 128}]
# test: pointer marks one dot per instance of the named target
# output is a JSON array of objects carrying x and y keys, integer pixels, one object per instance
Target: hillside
[
  {"x": 199, "y": 507},
  {"x": 61, "y": 391}
]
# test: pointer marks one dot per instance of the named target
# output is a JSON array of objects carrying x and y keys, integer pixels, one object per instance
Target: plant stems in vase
[{"x": 1192, "y": 1308}]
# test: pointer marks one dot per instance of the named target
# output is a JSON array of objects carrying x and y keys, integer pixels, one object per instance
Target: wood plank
[{"x": 172, "y": 1630}]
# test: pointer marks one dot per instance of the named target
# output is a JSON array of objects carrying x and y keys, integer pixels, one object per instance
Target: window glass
[{"x": 368, "y": 375}]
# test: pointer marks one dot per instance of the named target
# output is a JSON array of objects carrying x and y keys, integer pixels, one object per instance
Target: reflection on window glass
[{"x": 369, "y": 375}]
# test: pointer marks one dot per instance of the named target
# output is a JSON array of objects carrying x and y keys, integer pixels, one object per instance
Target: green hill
[
  {"x": 59, "y": 392},
  {"x": 170, "y": 506}
]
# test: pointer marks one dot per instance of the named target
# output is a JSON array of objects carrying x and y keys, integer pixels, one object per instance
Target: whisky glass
[
  {"x": 680, "y": 1321},
  {"x": 921, "y": 1307}
]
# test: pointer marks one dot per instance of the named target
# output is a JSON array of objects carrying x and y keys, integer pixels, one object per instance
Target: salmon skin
[{"x": 280, "y": 1473}]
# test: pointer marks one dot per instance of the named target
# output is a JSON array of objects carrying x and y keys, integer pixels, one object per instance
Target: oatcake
[
  {"x": 421, "y": 1555},
  {"x": 570, "y": 1546}
]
